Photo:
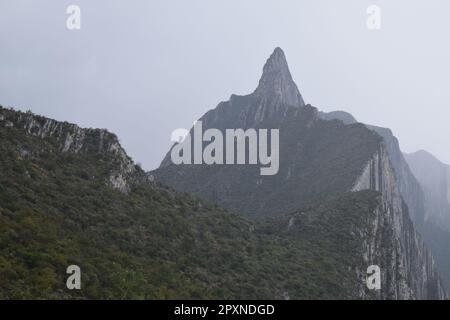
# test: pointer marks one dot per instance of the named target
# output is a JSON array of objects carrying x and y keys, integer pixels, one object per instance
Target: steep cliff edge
[
  {"x": 409, "y": 187},
  {"x": 422, "y": 181},
  {"x": 434, "y": 177},
  {"x": 321, "y": 158},
  {"x": 70, "y": 138},
  {"x": 394, "y": 244},
  {"x": 58, "y": 207}
]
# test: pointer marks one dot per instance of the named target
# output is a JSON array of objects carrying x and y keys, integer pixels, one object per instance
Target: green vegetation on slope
[{"x": 57, "y": 210}]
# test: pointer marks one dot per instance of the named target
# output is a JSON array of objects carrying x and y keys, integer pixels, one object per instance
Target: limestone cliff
[
  {"x": 71, "y": 138},
  {"x": 408, "y": 267},
  {"x": 320, "y": 158}
]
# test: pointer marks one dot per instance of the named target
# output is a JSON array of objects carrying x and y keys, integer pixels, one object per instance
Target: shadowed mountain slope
[{"x": 320, "y": 158}]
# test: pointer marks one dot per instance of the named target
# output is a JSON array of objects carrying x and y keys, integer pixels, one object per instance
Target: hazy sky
[{"x": 144, "y": 68}]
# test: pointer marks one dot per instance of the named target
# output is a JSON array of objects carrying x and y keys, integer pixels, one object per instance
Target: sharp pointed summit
[
  {"x": 276, "y": 81},
  {"x": 359, "y": 168}
]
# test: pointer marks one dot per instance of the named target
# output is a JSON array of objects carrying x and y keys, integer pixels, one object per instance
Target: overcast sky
[{"x": 144, "y": 68}]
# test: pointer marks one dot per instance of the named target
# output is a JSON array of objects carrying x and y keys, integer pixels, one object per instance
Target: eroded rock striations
[
  {"x": 393, "y": 243},
  {"x": 70, "y": 138},
  {"x": 320, "y": 157}
]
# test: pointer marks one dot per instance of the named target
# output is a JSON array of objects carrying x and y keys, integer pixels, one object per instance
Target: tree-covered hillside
[{"x": 57, "y": 209}]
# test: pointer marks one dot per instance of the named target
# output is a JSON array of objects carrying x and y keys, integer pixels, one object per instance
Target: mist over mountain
[
  {"x": 409, "y": 186},
  {"x": 343, "y": 199},
  {"x": 322, "y": 156},
  {"x": 70, "y": 195},
  {"x": 434, "y": 176}
]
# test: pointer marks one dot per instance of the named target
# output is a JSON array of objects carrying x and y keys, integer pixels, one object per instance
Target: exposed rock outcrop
[
  {"x": 320, "y": 157},
  {"x": 276, "y": 85},
  {"x": 408, "y": 267},
  {"x": 73, "y": 139},
  {"x": 434, "y": 177},
  {"x": 410, "y": 188}
]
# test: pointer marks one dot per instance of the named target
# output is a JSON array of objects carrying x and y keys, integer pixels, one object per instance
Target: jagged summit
[{"x": 276, "y": 81}]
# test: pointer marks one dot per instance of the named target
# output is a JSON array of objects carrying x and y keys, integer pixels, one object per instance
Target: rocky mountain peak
[{"x": 276, "y": 81}]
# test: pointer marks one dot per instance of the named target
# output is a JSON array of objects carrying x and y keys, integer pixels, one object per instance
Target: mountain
[
  {"x": 422, "y": 180},
  {"x": 424, "y": 185},
  {"x": 70, "y": 195},
  {"x": 276, "y": 86},
  {"x": 409, "y": 186},
  {"x": 308, "y": 145},
  {"x": 321, "y": 158},
  {"x": 434, "y": 177},
  {"x": 345, "y": 117}
]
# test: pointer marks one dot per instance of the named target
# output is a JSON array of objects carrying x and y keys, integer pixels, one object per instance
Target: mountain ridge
[
  {"x": 337, "y": 209},
  {"x": 57, "y": 208},
  {"x": 71, "y": 138},
  {"x": 318, "y": 159}
]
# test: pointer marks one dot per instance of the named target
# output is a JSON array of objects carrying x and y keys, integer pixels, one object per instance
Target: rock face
[
  {"x": 393, "y": 243},
  {"x": 72, "y": 139},
  {"x": 410, "y": 188},
  {"x": 276, "y": 85},
  {"x": 423, "y": 184},
  {"x": 434, "y": 177},
  {"x": 310, "y": 148},
  {"x": 319, "y": 157}
]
